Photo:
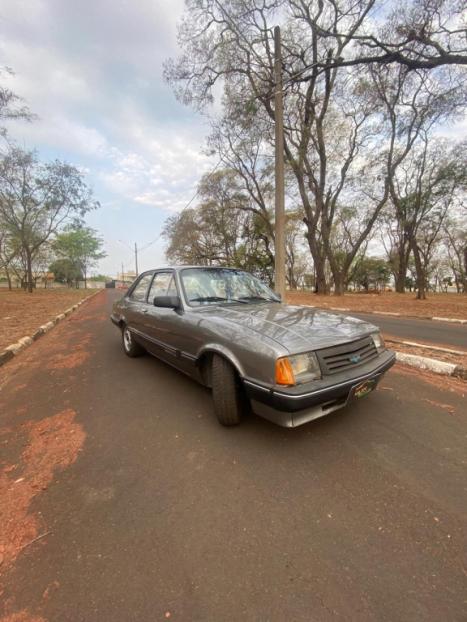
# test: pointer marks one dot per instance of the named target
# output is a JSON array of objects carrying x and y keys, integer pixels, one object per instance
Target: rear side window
[
  {"x": 139, "y": 292},
  {"x": 162, "y": 285}
]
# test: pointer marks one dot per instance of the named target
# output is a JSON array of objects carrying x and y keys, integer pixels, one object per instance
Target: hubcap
[{"x": 127, "y": 339}]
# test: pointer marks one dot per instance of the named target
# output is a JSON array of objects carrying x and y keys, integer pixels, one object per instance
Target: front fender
[{"x": 217, "y": 348}]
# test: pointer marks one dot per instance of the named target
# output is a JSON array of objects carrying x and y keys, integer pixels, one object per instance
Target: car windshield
[{"x": 210, "y": 286}]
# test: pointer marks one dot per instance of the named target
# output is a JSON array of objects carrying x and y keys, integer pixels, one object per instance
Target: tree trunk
[
  {"x": 321, "y": 286},
  {"x": 319, "y": 261},
  {"x": 8, "y": 278},
  {"x": 421, "y": 277},
  {"x": 29, "y": 272},
  {"x": 399, "y": 279},
  {"x": 339, "y": 284}
]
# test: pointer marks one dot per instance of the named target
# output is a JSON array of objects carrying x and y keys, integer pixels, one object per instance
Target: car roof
[{"x": 183, "y": 267}]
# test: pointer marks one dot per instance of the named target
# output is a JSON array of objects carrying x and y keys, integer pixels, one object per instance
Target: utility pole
[
  {"x": 136, "y": 259},
  {"x": 279, "y": 238},
  {"x": 136, "y": 254}
]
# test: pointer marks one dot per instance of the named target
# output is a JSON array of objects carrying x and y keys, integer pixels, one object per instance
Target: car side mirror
[
  {"x": 278, "y": 296},
  {"x": 167, "y": 302}
]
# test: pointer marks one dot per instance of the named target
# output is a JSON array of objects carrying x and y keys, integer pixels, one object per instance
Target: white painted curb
[
  {"x": 449, "y": 319},
  {"x": 428, "y": 346},
  {"x": 13, "y": 349},
  {"x": 423, "y": 362}
]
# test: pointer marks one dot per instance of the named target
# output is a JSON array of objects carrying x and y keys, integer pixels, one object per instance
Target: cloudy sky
[{"x": 92, "y": 71}]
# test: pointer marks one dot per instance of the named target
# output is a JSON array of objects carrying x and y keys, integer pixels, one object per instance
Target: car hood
[{"x": 296, "y": 328}]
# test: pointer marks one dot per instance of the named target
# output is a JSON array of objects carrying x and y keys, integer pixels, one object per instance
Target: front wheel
[
  {"x": 130, "y": 347},
  {"x": 226, "y": 392}
]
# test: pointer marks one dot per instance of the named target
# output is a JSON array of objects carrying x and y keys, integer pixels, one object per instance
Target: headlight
[
  {"x": 378, "y": 341},
  {"x": 297, "y": 369}
]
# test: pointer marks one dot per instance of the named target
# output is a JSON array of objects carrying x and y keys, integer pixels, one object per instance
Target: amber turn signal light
[{"x": 284, "y": 372}]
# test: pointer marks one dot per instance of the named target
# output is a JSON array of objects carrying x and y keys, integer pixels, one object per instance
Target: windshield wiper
[
  {"x": 208, "y": 299},
  {"x": 216, "y": 299},
  {"x": 247, "y": 298}
]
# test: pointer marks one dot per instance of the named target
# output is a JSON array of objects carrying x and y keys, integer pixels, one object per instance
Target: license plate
[{"x": 364, "y": 388}]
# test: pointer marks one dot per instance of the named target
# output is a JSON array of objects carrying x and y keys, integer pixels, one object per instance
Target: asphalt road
[
  {"x": 164, "y": 514},
  {"x": 422, "y": 331}
]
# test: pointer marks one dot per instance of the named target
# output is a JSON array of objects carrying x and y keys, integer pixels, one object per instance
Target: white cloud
[{"x": 92, "y": 72}]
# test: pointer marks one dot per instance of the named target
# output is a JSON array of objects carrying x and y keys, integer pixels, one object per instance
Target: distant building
[{"x": 126, "y": 277}]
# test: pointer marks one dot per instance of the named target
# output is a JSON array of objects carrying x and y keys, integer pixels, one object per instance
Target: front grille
[{"x": 347, "y": 356}]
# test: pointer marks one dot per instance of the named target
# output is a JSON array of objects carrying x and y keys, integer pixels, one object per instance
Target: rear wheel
[
  {"x": 130, "y": 347},
  {"x": 226, "y": 392}
]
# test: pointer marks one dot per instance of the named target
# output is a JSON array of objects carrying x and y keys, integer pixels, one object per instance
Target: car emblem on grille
[{"x": 355, "y": 358}]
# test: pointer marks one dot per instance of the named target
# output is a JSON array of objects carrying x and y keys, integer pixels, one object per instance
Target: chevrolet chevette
[{"x": 226, "y": 329}]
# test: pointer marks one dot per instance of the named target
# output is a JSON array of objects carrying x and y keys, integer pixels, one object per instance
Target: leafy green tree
[
  {"x": 66, "y": 271},
  {"x": 100, "y": 277},
  {"x": 37, "y": 199},
  {"x": 81, "y": 247},
  {"x": 372, "y": 273}
]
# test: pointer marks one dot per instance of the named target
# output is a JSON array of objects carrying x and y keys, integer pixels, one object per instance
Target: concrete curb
[
  {"x": 426, "y": 346},
  {"x": 434, "y": 365},
  {"x": 449, "y": 319},
  {"x": 15, "y": 348}
]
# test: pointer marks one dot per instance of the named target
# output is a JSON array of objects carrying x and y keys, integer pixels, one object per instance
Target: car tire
[
  {"x": 226, "y": 392},
  {"x": 130, "y": 347}
]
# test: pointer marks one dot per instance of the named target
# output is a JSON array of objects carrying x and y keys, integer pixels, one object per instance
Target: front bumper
[
  {"x": 115, "y": 319},
  {"x": 294, "y": 406}
]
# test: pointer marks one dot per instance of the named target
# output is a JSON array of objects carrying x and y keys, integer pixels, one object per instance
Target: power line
[
  {"x": 146, "y": 246},
  {"x": 198, "y": 188},
  {"x": 149, "y": 244}
]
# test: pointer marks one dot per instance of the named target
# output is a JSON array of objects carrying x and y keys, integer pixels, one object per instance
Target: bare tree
[
  {"x": 418, "y": 34},
  {"x": 429, "y": 184},
  {"x": 455, "y": 240},
  {"x": 241, "y": 142},
  {"x": 346, "y": 131},
  {"x": 9, "y": 251},
  {"x": 227, "y": 228},
  {"x": 11, "y": 105}
]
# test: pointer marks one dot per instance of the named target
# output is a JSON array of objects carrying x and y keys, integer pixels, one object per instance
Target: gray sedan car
[{"x": 225, "y": 328}]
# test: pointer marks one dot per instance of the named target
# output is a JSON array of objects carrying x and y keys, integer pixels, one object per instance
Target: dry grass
[
  {"x": 21, "y": 313},
  {"x": 436, "y": 305}
]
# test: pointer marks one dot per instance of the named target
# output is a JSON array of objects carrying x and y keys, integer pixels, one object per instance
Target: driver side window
[
  {"x": 139, "y": 292},
  {"x": 163, "y": 284}
]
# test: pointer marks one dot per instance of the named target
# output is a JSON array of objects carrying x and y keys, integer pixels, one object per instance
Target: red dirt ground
[
  {"x": 436, "y": 305},
  {"x": 22, "y": 616},
  {"x": 53, "y": 443},
  {"x": 40, "y": 449},
  {"x": 21, "y": 313}
]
